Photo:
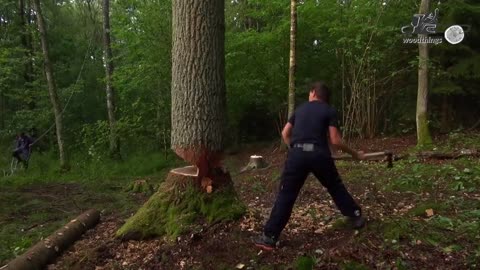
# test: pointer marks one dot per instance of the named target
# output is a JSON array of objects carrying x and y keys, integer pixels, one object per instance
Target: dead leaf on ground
[{"x": 240, "y": 266}]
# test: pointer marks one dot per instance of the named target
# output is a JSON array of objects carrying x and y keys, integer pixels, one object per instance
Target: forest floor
[{"x": 400, "y": 233}]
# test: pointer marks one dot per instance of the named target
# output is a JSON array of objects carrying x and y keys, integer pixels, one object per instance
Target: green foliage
[
  {"x": 304, "y": 263},
  {"x": 352, "y": 265},
  {"x": 360, "y": 39},
  {"x": 396, "y": 230},
  {"x": 420, "y": 209}
]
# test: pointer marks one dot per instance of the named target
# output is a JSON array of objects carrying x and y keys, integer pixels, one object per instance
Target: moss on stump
[
  {"x": 140, "y": 186},
  {"x": 179, "y": 202}
]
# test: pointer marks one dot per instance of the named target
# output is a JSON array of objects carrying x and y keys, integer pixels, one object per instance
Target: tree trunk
[
  {"x": 198, "y": 120},
  {"x": 107, "y": 55},
  {"x": 52, "y": 88},
  {"x": 445, "y": 120},
  {"x": 423, "y": 132},
  {"x": 293, "y": 62},
  {"x": 2, "y": 110},
  {"x": 27, "y": 46},
  {"x": 198, "y": 83}
]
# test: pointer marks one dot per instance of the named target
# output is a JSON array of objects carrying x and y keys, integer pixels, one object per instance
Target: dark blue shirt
[{"x": 310, "y": 124}]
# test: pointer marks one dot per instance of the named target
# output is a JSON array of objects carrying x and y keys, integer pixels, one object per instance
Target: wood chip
[
  {"x": 240, "y": 266},
  {"x": 429, "y": 212}
]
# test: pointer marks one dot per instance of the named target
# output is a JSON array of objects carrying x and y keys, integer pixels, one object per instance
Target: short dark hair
[{"x": 321, "y": 90}]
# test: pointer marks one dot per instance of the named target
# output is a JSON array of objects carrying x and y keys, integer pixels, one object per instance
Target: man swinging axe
[{"x": 307, "y": 133}]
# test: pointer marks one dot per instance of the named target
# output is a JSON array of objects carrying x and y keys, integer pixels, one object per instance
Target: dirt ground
[{"x": 316, "y": 229}]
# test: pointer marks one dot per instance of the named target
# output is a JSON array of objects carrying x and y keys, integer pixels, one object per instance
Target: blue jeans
[{"x": 297, "y": 167}]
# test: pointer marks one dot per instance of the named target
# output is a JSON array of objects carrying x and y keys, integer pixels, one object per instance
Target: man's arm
[
  {"x": 337, "y": 142},
  {"x": 287, "y": 133}
]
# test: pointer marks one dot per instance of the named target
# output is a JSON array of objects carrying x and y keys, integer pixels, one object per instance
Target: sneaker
[
  {"x": 357, "y": 222},
  {"x": 265, "y": 242}
]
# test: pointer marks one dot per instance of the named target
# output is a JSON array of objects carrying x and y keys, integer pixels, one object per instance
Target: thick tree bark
[
  {"x": 107, "y": 55},
  {"x": 52, "y": 88},
  {"x": 198, "y": 82},
  {"x": 198, "y": 121},
  {"x": 293, "y": 61},
  {"x": 423, "y": 132}
]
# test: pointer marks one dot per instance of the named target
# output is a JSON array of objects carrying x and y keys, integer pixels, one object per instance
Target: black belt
[{"x": 307, "y": 147}]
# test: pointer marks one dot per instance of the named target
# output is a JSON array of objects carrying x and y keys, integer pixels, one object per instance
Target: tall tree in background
[
  {"x": 26, "y": 40},
  {"x": 52, "y": 88},
  {"x": 107, "y": 56},
  {"x": 293, "y": 62},
  {"x": 423, "y": 132}
]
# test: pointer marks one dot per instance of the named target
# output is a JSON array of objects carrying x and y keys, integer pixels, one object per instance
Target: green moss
[
  {"x": 353, "y": 266},
  {"x": 424, "y": 139},
  {"x": 397, "y": 229},
  {"x": 175, "y": 207},
  {"x": 304, "y": 263},
  {"x": 420, "y": 209},
  {"x": 140, "y": 186}
]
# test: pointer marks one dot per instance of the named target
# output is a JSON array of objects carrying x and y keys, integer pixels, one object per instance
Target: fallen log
[
  {"x": 376, "y": 156},
  {"x": 45, "y": 251},
  {"x": 452, "y": 155}
]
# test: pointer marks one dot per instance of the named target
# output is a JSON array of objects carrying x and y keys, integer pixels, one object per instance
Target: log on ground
[
  {"x": 451, "y": 155},
  {"x": 45, "y": 251}
]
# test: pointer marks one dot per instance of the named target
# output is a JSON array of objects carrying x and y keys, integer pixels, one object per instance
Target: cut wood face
[{"x": 186, "y": 171}]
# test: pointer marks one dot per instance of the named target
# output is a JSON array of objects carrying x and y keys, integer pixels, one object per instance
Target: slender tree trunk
[
  {"x": 27, "y": 46},
  {"x": 52, "y": 88},
  {"x": 107, "y": 55},
  {"x": 198, "y": 82},
  {"x": 445, "y": 121},
  {"x": 23, "y": 36},
  {"x": 293, "y": 62},
  {"x": 159, "y": 120},
  {"x": 2, "y": 110},
  {"x": 423, "y": 132}
]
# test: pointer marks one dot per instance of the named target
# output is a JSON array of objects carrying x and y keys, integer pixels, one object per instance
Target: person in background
[{"x": 23, "y": 144}]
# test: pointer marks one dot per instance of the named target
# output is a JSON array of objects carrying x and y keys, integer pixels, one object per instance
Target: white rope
[
  {"x": 71, "y": 95},
  {"x": 14, "y": 162}
]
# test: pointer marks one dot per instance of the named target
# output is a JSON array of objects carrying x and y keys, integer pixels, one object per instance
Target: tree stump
[
  {"x": 256, "y": 162},
  {"x": 182, "y": 199}
]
